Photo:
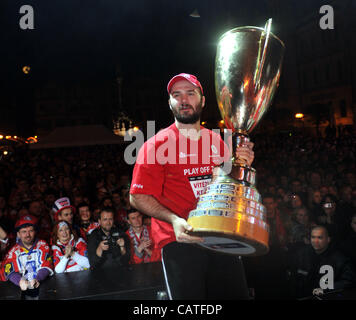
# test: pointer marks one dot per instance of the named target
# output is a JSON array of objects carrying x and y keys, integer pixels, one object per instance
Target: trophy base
[
  {"x": 230, "y": 236},
  {"x": 230, "y": 216}
]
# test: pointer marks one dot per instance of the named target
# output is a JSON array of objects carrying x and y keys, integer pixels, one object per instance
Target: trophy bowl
[{"x": 229, "y": 215}]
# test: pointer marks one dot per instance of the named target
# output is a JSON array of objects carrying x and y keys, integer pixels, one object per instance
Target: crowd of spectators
[{"x": 304, "y": 181}]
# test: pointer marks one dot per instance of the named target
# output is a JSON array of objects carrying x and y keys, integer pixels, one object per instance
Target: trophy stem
[{"x": 239, "y": 139}]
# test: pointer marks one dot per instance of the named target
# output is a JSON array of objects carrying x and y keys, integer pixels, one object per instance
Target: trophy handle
[{"x": 261, "y": 58}]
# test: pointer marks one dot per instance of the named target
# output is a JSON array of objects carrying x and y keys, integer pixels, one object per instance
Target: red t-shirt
[{"x": 176, "y": 170}]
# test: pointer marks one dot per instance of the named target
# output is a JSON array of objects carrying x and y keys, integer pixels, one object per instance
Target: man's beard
[
  {"x": 188, "y": 118},
  {"x": 28, "y": 242}
]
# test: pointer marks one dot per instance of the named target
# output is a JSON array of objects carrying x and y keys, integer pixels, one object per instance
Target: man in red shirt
[
  {"x": 171, "y": 171},
  {"x": 142, "y": 246}
]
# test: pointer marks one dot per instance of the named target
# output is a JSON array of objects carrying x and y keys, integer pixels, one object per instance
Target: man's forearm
[
  {"x": 99, "y": 252},
  {"x": 148, "y": 205}
]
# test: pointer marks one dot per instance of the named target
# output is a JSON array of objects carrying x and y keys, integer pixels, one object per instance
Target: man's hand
[
  {"x": 144, "y": 245},
  {"x": 120, "y": 242},
  {"x": 318, "y": 292},
  {"x": 23, "y": 284},
  {"x": 34, "y": 283},
  {"x": 245, "y": 153},
  {"x": 103, "y": 246},
  {"x": 180, "y": 227}
]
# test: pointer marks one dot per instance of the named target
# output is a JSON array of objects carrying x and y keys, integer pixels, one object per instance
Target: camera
[{"x": 111, "y": 240}]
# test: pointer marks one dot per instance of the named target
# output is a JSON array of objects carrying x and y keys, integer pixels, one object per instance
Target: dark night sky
[{"x": 76, "y": 40}]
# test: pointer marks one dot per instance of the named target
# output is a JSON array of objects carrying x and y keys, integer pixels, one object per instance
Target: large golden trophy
[{"x": 229, "y": 215}]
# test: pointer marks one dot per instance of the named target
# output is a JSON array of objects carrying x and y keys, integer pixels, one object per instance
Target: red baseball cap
[
  {"x": 184, "y": 76},
  {"x": 25, "y": 221}
]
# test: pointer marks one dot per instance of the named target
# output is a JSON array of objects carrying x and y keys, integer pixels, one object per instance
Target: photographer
[{"x": 108, "y": 246}]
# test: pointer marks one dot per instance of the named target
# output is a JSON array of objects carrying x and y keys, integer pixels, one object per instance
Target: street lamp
[
  {"x": 299, "y": 115},
  {"x": 26, "y": 69}
]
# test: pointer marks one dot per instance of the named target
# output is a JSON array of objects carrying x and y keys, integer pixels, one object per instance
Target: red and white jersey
[
  {"x": 92, "y": 227},
  {"x": 84, "y": 232},
  {"x": 176, "y": 171},
  {"x": 135, "y": 240},
  {"x": 28, "y": 262},
  {"x": 58, "y": 250}
]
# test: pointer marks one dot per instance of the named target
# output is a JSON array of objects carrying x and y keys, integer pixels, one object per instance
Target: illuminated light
[
  {"x": 136, "y": 129},
  {"x": 15, "y": 137},
  {"x": 5, "y": 152},
  {"x": 35, "y": 137},
  {"x": 26, "y": 69},
  {"x": 299, "y": 115},
  {"x": 31, "y": 140},
  {"x": 1, "y": 136},
  {"x": 203, "y": 123},
  {"x": 222, "y": 121},
  {"x": 8, "y": 137}
]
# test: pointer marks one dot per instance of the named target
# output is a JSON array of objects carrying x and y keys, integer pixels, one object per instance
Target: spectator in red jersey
[
  {"x": 86, "y": 224},
  {"x": 64, "y": 211},
  {"x": 69, "y": 251},
  {"x": 29, "y": 261},
  {"x": 142, "y": 246}
]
